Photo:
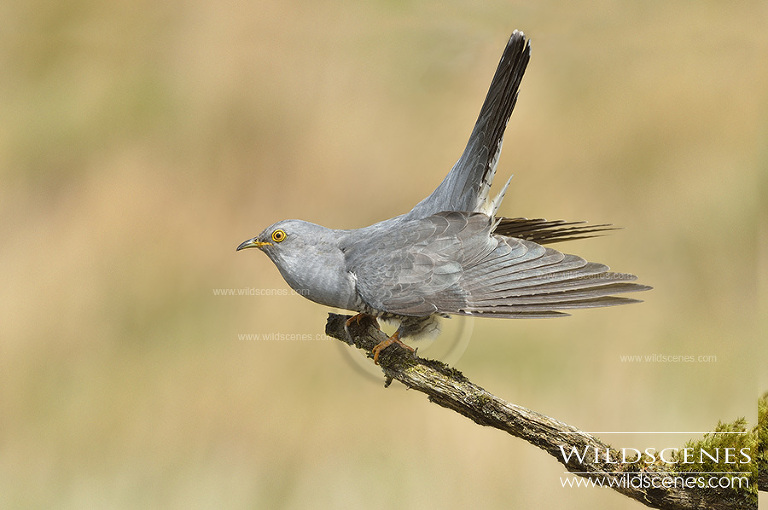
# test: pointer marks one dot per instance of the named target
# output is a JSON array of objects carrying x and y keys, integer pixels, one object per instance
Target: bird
[{"x": 451, "y": 254}]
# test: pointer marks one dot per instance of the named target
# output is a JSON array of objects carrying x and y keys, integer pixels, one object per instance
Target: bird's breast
[{"x": 321, "y": 276}]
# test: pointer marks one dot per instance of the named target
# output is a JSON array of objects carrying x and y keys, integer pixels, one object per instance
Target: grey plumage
[
  {"x": 450, "y": 254},
  {"x": 466, "y": 186}
]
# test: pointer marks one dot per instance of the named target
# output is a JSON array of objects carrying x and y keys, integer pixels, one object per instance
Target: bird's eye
[{"x": 279, "y": 235}]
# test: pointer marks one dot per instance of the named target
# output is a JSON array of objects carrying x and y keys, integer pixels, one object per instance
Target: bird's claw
[
  {"x": 394, "y": 339},
  {"x": 359, "y": 318}
]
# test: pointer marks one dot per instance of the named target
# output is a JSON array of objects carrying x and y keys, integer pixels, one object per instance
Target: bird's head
[
  {"x": 290, "y": 242},
  {"x": 309, "y": 258},
  {"x": 283, "y": 236}
]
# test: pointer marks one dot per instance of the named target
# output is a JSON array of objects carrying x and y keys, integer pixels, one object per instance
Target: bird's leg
[{"x": 394, "y": 339}]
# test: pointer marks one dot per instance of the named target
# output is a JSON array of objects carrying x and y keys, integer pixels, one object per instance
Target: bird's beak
[{"x": 253, "y": 243}]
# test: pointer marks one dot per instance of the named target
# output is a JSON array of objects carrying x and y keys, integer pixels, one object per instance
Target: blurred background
[{"x": 141, "y": 142}]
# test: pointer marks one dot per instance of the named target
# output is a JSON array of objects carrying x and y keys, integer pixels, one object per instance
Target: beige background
[{"x": 140, "y": 143}]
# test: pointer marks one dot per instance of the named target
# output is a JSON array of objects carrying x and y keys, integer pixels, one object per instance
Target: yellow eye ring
[{"x": 279, "y": 235}]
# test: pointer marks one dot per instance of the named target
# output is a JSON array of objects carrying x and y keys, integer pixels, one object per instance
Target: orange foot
[
  {"x": 357, "y": 319},
  {"x": 394, "y": 339}
]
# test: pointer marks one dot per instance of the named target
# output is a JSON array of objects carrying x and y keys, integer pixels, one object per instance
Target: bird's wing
[
  {"x": 414, "y": 268},
  {"x": 452, "y": 263},
  {"x": 467, "y": 185},
  {"x": 522, "y": 279}
]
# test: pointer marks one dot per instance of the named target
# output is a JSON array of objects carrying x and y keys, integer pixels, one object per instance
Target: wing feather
[{"x": 452, "y": 263}]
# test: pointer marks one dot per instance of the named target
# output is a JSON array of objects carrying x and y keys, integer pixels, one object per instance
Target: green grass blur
[{"x": 140, "y": 143}]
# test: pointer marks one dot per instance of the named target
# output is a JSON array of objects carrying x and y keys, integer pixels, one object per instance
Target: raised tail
[{"x": 467, "y": 185}]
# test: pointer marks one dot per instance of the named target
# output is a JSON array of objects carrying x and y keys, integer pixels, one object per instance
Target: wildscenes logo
[{"x": 653, "y": 456}]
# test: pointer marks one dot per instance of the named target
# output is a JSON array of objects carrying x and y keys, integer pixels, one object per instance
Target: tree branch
[{"x": 449, "y": 388}]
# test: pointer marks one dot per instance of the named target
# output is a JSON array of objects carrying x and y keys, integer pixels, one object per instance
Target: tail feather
[
  {"x": 466, "y": 186},
  {"x": 542, "y": 231}
]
